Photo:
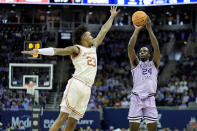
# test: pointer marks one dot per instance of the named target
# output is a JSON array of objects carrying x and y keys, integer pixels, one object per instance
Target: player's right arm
[
  {"x": 131, "y": 51},
  {"x": 70, "y": 50}
]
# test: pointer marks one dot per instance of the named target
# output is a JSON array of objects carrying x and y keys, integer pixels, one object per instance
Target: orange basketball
[{"x": 139, "y": 18}]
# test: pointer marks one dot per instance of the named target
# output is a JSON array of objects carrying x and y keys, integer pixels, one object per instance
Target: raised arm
[
  {"x": 71, "y": 50},
  {"x": 105, "y": 28},
  {"x": 131, "y": 51},
  {"x": 156, "y": 53}
]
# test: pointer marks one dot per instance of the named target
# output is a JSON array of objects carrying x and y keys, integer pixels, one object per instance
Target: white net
[{"x": 30, "y": 88}]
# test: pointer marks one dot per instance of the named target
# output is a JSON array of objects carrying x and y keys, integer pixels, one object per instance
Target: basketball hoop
[{"x": 30, "y": 88}]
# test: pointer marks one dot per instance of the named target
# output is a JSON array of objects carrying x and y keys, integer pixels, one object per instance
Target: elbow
[
  {"x": 130, "y": 49},
  {"x": 55, "y": 51},
  {"x": 130, "y": 46}
]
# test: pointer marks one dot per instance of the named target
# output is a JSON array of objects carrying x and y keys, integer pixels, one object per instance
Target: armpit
[{"x": 75, "y": 55}]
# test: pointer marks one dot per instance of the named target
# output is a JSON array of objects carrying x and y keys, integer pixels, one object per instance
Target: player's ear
[{"x": 138, "y": 54}]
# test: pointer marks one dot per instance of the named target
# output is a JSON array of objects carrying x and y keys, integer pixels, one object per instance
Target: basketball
[{"x": 139, "y": 18}]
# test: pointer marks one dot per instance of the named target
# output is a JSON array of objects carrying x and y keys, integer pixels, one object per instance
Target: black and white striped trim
[
  {"x": 150, "y": 118},
  {"x": 135, "y": 118}
]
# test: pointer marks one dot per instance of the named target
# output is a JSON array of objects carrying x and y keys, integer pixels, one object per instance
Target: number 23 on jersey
[{"x": 91, "y": 61}]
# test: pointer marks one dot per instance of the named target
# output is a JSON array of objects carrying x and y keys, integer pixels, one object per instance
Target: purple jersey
[{"x": 144, "y": 79}]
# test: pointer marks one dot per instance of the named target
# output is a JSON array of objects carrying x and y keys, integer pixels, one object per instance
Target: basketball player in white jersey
[
  {"x": 84, "y": 58},
  {"x": 144, "y": 72}
]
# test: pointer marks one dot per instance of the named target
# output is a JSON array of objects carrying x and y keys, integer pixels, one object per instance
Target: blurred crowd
[
  {"x": 18, "y": 99},
  {"x": 159, "y": 16},
  {"x": 182, "y": 85},
  {"x": 113, "y": 81}
]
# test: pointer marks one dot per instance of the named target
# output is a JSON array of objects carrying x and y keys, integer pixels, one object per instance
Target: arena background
[{"x": 29, "y": 24}]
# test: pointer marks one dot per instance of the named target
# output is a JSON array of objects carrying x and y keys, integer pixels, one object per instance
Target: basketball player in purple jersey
[{"x": 144, "y": 72}]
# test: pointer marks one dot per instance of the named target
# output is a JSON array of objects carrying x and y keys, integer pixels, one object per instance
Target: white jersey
[
  {"x": 144, "y": 78},
  {"x": 85, "y": 64}
]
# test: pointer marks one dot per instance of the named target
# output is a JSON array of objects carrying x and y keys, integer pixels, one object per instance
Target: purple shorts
[{"x": 142, "y": 108}]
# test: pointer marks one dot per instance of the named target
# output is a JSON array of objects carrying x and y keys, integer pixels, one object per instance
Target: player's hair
[{"x": 79, "y": 31}]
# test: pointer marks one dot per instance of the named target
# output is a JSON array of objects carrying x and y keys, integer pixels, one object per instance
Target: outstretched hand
[
  {"x": 32, "y": 52},
  {"x": 114, "y": 10}
]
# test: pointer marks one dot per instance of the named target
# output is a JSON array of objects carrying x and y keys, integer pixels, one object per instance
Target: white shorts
[{"x": 76, "y": 98}]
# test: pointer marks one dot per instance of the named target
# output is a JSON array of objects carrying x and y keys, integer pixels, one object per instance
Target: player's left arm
[
  {"x": 106, "y": 27},
  {"x": 156, "y": 53}
]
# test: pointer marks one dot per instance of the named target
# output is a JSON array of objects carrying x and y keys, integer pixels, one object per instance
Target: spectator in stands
[
  {"x": 29, "y": 107},
  {"x": 25, "y": 103},
  {"x": 125, "y": 103},
  {"x": 117, "y": 103},
  {"x": 91, "y": 105},
  {"x": 7, "y": 106},
  {"x": 192, "y": 97},
  {"x": 14, "y": 106},
  {"x": 183, "y": 105}
]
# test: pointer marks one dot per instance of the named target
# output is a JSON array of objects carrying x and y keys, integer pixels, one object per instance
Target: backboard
[{"x": 21, "y": 74}]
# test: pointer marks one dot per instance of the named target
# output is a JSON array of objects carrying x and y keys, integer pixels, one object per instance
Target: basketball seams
[{"x": 139, "y": 18}]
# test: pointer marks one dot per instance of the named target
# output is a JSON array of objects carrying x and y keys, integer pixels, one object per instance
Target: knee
[
  {"x": 72, "y": 123},
  {"x": 152, "y": 126},
  {"x": 134, "y": 125}
]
